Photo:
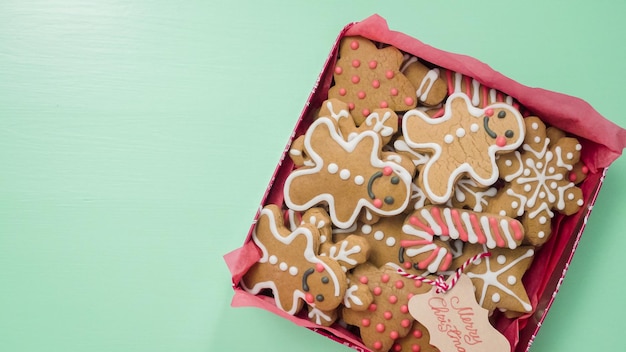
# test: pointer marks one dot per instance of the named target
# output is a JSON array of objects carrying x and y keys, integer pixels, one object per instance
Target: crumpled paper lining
[{"x": 602, "y": 140}]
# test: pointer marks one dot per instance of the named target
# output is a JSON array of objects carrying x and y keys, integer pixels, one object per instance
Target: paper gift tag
[{"x": 455, "y": 321}]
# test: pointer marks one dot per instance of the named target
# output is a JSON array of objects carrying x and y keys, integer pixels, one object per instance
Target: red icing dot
[
  {"x": 380, "y": 327},
  {"x": 387, "y": 171},
  {"x": 361, "y": 94},
  {"x": 351, "y": 106},
  {"x": 409, "y": 296},
  {"x": 364, "y": 280},
  {"x": 407, "y": 265},
  {"x": 365, "y": 322},
  {"x": 338, "y": 70},
  {"x": 417, "y": 283},
  {"x": 388, "y": 315},
  {"x": 377, "y": 291},
  {"x": 356, "y": 79},
  {"x": 500, "y": 141},
  {"x": 585, "y": 170},
  {"x": 342, "y": 91},
  {"x": 384, "y": 278},
  {"x": 354, "y": 45},
  {"x": 415, "y": 348},
  {"x": 393, "y": 299},
  {"x": 375, "y": 83},
  {"x": 404, "y": 309},
  {"x": 372, "y": 64},
  {"x": 377, "y": 345},
  {"x": 365, "y": 112},
  {"x": 405, "y": 323},
  {"x": 394, "y": 334},
  {"x": 399, "y": 284},
  {"x": 389, "y": 74},
  {"x": 383, "y": 104},
  {"x": 397, "y": 347},
  {"x": 489, "y": 112},
  {"x": 394, "y": 91},
  {"x": 378, "y": 203},
  {"x": 319, "y": 267},
  {"x": 408, "y": 101},
  {"x": 309, "y": 298},
  {"x": 356, "y": 63},
  {"x": 572, "y": 176},
  {"x": 417, "y": 334},
  {"x": 372, "y": 307}
]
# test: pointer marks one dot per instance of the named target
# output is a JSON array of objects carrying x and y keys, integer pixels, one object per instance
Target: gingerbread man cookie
[
  {"x": 291, "y": 267},
  {"x": 539, "y": 180},
  {"x": 368, "y": 78},
  {"x": 418, "y": 340},
  {"x": 348, "y": 177},
  {"x": 463, "y": 142}
]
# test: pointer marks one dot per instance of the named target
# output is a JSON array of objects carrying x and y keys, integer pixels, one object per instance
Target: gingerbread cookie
[
  {"x": 498, "y": 278},
  {"x": 347, "y": 176},
  {"x": 418, "y": 340},
  {"x": 463, "y": 142},
  {"x": 382, "y": 121},
  {"x": 430, "y": 87},
  {"x": 387, "y": 318},
  {"x": 538, "y": 180},
  {"x": 291, "y": 267},
  {"x": 470, "y": 195},
  {"x": 368, "y": 78}
]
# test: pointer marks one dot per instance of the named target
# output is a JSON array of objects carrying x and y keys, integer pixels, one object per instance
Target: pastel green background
[{"x": 137, "y": 139}]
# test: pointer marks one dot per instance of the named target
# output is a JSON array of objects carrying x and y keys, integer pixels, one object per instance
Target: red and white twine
[{"x": 440, "y": 281}]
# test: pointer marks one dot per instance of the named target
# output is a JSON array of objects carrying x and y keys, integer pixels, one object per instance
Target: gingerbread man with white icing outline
[
  {"x": 464, "y": 141},
  {"x": 348, "y": 176},
  {"x": 291, "y": 267}
]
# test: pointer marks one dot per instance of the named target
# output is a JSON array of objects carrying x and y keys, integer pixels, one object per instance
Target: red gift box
[{"x": 602, "y": 143}]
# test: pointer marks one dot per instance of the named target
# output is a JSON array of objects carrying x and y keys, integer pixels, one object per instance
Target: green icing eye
[
  {"x": 395, "y": 180},
  {"x": 389, "y": 200},
  {"x": 509, "y": 133},
  {"x": 502, "y": 114},
  {"x": 325, "y": 279},
  {"x": 319, "y": 298}
]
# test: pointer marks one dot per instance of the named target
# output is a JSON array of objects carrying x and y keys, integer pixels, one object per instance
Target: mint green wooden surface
[{"x": 137, "y": 138}]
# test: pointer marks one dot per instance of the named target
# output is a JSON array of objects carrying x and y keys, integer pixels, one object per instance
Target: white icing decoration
[
  {"x": 427, "y": 84},
  {"x": 534, "y": 125},
  {"x": 474, "y": 127},
  {"x": 333, "y": 168},
  {"x": 390, "y": 241},
  {"x": 379, "y": 123},
  {"x": 344, "y": 174},
  {"x": 379, "y": 235},
  {"x": 460, "y": 132},
  {"x": 283, "y": 266},
  {"x": 293, "y": 270},
  {"x": 295, "y": 152},
  {"x": 318, "y": 315},
  {"x": 511, "y": 280},
  {"x": 273, "y": 259},
  {"x": 501, "y": 259},
  {"x": 508, "y": 162},
  {"x": 359, "y": 180},
  {"x": 495, "y": 297},
  {"x": 465, "y": 185},
  {"x": 366, "y": 229},
  {"x": 448, "y": 138},
  {"x": 417, "y": 158},
  {"x": 350, "y": 297},
  {"x": 541, "y": 234},
  {"x": 343, "y": 253},
  {"x": 537, "y": 139}
]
